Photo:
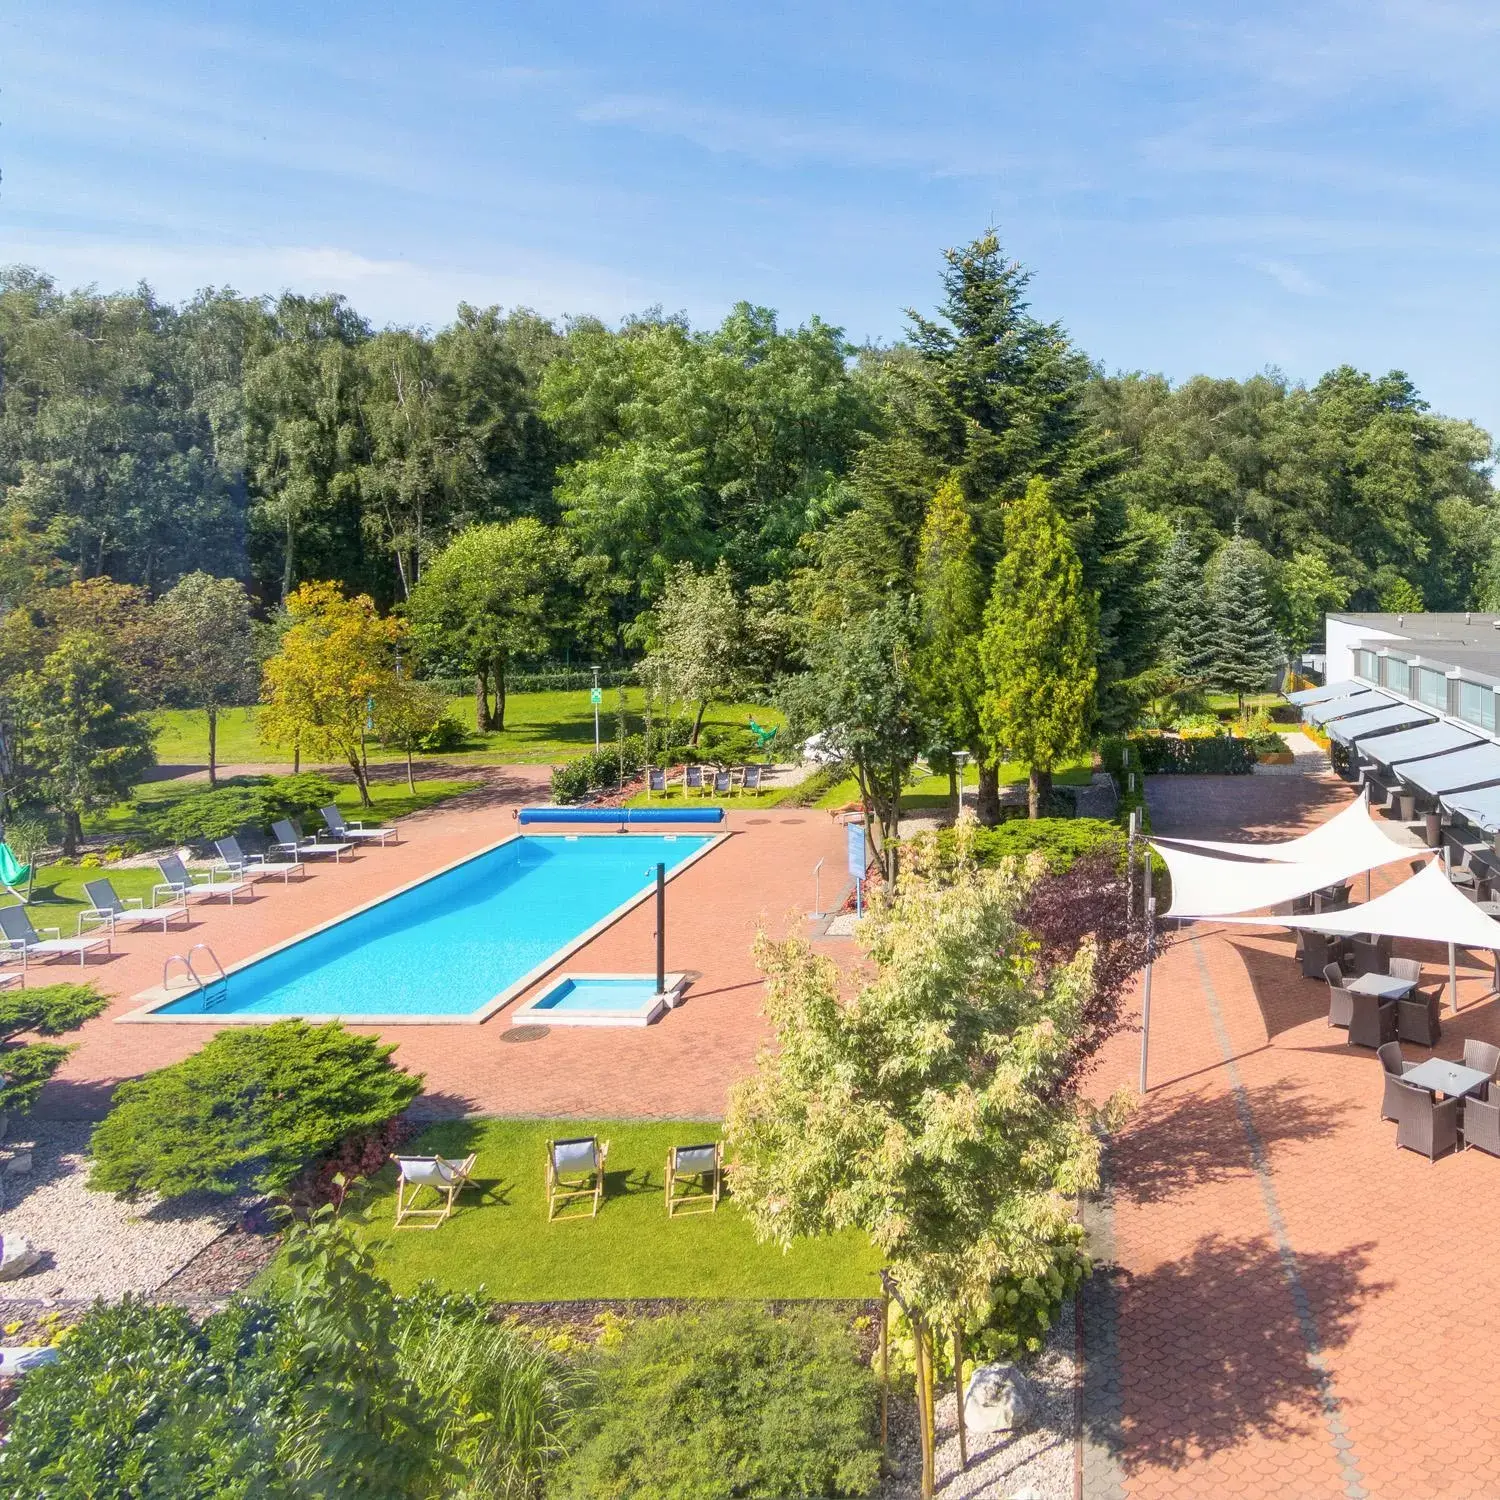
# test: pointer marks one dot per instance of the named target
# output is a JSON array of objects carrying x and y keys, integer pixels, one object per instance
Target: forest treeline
[{"x": 282, "y": 440}]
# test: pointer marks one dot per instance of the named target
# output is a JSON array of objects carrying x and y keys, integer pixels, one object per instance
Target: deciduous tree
[{"x": 696, "y": 640}]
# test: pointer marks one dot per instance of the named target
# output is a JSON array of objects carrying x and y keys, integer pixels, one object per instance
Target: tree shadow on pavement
[{"x": 1213, "y": 1350}]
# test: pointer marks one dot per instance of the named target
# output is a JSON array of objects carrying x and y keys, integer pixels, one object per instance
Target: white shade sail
[
  {"x": 1206, "y": 886},
  {"x": 1350, "y": 837},
  {"x": 1427, "y": 907}
]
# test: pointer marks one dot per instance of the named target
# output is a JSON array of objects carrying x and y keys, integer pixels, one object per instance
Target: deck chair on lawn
[
  {"x": 446, "y": 1178},
  {"x": 692, "y": 780},
  {"x": 575, "y": 1170},
  {"x": 290, "y": 839},
  {"x": 339, "y": 827},
  {"x": 106, "y": 909},
  {"x": 695, "y": 1178},
  {"x": 17, "y": 933}
]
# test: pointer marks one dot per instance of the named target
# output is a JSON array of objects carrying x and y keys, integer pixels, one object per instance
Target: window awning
[
  {"x": 1413, "y": 744},
  {"x": 1366, "y": 700},
  {"x": 1398, "y": 716},
  {"x": 1475, "y": 766},
  {"x": 1480, "y": 805},
  {"x": 1427, "y": 907},
  {"x": 1321, "y": 694}
]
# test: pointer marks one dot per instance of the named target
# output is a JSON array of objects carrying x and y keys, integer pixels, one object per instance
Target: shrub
[
  {"x": 47, "y": 1011},
  {"x": 598, "y": 771},
  {"x": 1159, "y": 756},
  {"x": 445, "y": 736},
  {"x": 248, "y": 1112},
  {"x": 1199, "y": 726},
  {"x": 1269, "y": 743},
  {"x": 728, "y": 1401},
  {"x": 297, "y": 796},
  {"x": 245, "y": 802},
  {"x": 727, "y": 744},
  {"x": 1061, "y": 840}
]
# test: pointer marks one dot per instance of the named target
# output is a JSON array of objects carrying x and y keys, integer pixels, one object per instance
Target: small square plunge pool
[{"x": 601, "y": 1000}]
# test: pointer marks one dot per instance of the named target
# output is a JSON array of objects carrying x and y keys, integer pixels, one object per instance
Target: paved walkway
[
  {"x": 1297, "y": 1308},
  {"x": 679, "y": 1068}
]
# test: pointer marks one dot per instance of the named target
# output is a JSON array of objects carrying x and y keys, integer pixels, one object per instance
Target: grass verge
[{"x": 499, "y": 1237}]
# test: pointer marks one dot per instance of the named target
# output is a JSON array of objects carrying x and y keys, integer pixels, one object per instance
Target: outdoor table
[
  {"x": 1439, "y": 1076},
  {"x": 1383, "y": 985}
]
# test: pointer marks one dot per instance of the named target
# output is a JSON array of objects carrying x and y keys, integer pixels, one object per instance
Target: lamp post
[
  {"x": 962, "y": 757},
  {"x": 594, "y": 696}
]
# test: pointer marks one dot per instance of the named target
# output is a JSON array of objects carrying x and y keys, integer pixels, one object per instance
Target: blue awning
[
  {"x": 1362, "y": 700},
  {"x": 1398, "y": 716},
  {"x": 1413, "y": 744},
  {"x": 1455, "y": 771},
  {"x": 1480, "y": 805},
  {"x": 1321, "y": 694}
]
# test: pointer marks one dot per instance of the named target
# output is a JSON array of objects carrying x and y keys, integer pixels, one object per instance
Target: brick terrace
[
  {"x": 678, "y": 1068},
  {"x": 1298, "y": 1309}
]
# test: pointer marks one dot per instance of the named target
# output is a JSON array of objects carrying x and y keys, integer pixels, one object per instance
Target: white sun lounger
[
  {"x": 234, "y": 862},
  {"x": 290, "y": 839},
  {"x": 340, "y": 827},
  {"x": 20, "y": 936},
  {"x": 182, "y": 884},
  {"x": 110, "y": 911}
]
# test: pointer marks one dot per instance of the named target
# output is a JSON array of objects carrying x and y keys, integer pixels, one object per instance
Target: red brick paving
[
  {"x": 1396, "y": 1257},
  {"x": 678, "y": 1068}
]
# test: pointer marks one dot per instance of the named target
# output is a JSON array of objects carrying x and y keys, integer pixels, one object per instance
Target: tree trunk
[
  {"x": 955, "y": 791},
  {"x": 482, "y": 700},
  {"x": 1038, "y": 792},
  {"x": 987, "y": 803},
  {"x": 72, "y": 832},
  {"x": 296, "y": 755},
  {"x": 958, "y": 1391},
  {"x": 924, "y": 1405},
  {"x": 213, "y": 747},
  {"x": 361, "y": 780},
  {"x": 698, "y": 722},
  {"x": 497, "y": 720},
  {"x": 885, "y": 1379},
  {"x": 411, "y": 784}
]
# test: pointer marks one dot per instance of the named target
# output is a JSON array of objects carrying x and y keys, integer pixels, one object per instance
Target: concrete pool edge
[
  {"x": 150, "y": 1003},
  {"x": 669, "y": 997}
]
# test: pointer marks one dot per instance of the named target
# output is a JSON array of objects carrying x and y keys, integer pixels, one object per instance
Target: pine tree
[
  {"x": 1184, "y": 642},
  {"x": 1040, "y": 645},
  {"x": 1245, "y": 648}
]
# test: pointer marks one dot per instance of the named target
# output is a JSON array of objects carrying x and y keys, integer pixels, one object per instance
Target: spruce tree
[
  {"x": 1245, "y": 649},
  {"x": 1040, "y": 645},
  {"x": 1184, "y": 642}
]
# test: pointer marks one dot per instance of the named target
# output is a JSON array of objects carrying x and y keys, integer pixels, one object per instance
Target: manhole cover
[
  {"x": 525, "y": 1033},
  {"x": 794, "y": 820},
  {"x": 757, "y": 820}
]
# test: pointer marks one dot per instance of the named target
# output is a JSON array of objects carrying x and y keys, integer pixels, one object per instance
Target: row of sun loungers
[
  {"x": 234, "y": 873},
  {"x": 694, "y": 1181}
]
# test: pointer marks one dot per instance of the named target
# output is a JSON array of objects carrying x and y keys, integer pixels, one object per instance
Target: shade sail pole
[
  {"x": 1146, "y": 989},
  {"x": 1452, "y": 955}
]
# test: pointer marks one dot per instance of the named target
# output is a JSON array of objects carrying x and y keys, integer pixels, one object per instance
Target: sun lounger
[
  {"x": 21, "y": 937},
  {"x": 108, "y": 910},
  {"x": 340, "y": 828},
  {"x": 182, "y": 884},
  {"x": 234, "y": 862},
  {"x": 575, "y": 1170},
  {"x": 446, "y": 1178},
  {"x": 694, "y": 1178},
  {"x": 290, "y": 839}
]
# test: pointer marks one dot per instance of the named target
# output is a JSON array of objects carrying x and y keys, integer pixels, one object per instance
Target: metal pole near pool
[
  {"x": 1146, "y": 989},
  {"x": 594, "y": 696},
  {"x": 661, "y": 928}
]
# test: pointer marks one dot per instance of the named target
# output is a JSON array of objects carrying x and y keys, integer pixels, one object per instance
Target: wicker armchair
[
  {"x": 1482, "y": 1122},
  {"x": 1372, "y": 1021},
  {"x": 1422, "y": 1124},
  {"x": 1419, "y": 1015},
  {"x": 1315, "y": 951},
  {"x": 1394, "y": 1067},
  {"x": 1340, "y": 1001},
  {"x": 1481, "y": 1055},
  {"x": 1369, "y": 958}
]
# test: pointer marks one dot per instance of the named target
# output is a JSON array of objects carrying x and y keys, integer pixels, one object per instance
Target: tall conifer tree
[{"x": 1246, "y": 651}]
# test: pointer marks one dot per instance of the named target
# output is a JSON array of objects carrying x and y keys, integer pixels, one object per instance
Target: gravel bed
[
  {"x": 1038, "y": 1463},
  {"x": 95, "y": 1245}
]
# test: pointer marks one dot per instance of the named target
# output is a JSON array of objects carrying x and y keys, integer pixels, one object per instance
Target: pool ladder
[{"x": 221, "y": 980}]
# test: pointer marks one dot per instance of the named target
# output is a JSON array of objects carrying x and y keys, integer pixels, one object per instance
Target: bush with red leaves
[{"x": 356, "y": 1157}]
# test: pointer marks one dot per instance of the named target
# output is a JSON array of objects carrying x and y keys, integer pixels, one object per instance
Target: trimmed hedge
[{"x": 1158, "y": 755}]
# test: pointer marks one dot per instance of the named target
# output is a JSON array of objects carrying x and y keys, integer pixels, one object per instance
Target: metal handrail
[{"x": 186, "y": 960}]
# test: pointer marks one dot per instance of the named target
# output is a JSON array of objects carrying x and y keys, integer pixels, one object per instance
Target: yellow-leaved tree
[{"x": 337, "y": 657}]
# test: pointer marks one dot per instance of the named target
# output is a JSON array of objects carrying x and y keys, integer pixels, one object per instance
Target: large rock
[
  {"x": 16, "y": 1256},
  {"x": 999, "y": 1399}
]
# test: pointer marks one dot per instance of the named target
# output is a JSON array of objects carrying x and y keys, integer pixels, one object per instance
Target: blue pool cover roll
[{"x": 615, "y": 816}]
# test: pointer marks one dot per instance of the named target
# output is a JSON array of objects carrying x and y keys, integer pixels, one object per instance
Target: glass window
[
  {"x": 1397, "y": 675},
  {"x": 1476, "y": 704},
  {"x": 1432, "y": 689},
  {"x": 1366, "y": 666}
]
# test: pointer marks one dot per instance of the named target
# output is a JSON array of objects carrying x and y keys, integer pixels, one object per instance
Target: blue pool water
[
  {"x": 598, "y": 994},
  {"x": 451, "y": 944}
]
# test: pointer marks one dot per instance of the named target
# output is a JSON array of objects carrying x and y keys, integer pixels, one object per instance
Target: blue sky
[{"x": 1196, "y": 187}]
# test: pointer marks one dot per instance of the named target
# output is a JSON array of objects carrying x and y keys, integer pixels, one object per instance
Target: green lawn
[
  {"x": 57, "y": 897},
  {"x": 930, "y": 793},
  {"x": 674, "y": 796},
  {"x": 538, "y": 727},
  {"x": 500, "y": 1239}
]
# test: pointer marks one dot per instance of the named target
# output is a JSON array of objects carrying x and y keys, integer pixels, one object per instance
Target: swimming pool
[
  {"x": 601, "y": 1000},
  {"x": 453, "y": 947}
]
